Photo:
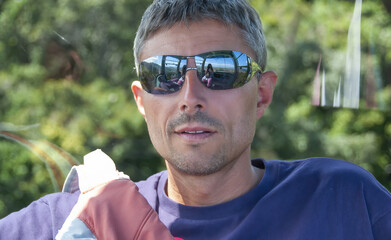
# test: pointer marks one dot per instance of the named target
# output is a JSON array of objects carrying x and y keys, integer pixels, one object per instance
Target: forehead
[{"x": 195, "y": 38}]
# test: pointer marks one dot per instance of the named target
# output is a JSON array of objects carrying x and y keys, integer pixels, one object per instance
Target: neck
[{"x": 229, "y": 183}]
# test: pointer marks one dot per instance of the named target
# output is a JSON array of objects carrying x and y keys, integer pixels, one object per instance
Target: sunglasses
[{"x": 217, "y": 70}]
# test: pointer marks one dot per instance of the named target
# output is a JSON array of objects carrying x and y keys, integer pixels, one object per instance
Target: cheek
[
  {"x": 246, "y": 115},
  {"x": 154, "y": 110},
  {"x": 154, "y": 117},
  {"x": 244, "y": 127},
  {"x": 156, "y": 132}
]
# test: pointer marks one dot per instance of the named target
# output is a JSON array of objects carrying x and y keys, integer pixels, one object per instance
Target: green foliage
[
  {"x": 300, "y": 34},
  {"x": 80, "y": 100},
  {"x": 76, "y": 113}
]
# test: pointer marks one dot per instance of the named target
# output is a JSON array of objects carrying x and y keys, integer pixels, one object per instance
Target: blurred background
[{"x": 66, "y": 67}]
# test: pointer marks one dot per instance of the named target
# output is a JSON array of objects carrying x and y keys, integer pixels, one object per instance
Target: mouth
[{"x": 195, "y": 133}]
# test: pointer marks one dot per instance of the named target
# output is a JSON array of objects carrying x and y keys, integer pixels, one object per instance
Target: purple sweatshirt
[{"x": 316, "y": 198}]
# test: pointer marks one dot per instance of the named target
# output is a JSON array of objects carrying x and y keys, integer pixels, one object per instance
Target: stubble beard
[{"x": 196, "y": 162}]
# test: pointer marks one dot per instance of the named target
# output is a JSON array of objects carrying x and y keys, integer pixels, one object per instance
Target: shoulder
[
  {"x": 61, "y": 201},
  {"x": 149, "y": 187},
  {"x": 57, "y": 204},
  {"x": 321, "y": 167},
  {"x": 39, "y": 220},
  {"x": 337, "y": 170},
  {"x": 325, "y": 172},
  {"x": 351, "y": 180},
  {"x": 150, "y": 183},
  {"x": 333, "y": 173},
  {"x": 335, "y": 184}
]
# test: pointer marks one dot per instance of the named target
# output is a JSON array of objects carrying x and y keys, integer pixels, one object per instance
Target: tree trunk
[{"x": 387, "y": 4}]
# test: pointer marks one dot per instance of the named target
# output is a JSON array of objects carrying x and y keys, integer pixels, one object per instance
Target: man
[{"x": 211, "y": 189}]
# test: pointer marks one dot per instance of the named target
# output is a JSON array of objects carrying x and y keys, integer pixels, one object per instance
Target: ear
[
  {"x": 266, "y": 85},
  {"x": 138, "y": 96}
]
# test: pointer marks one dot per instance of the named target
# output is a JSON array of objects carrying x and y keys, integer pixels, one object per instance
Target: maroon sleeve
[{"x": 117, "y": 210}]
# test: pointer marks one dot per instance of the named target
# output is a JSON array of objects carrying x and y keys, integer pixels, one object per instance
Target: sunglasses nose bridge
[
  {"x": 192, "y": 93},
  {"x": 191, "y": 69},
  {"x": 190, "y": 63},
  {"x": 192, "y": 79}
]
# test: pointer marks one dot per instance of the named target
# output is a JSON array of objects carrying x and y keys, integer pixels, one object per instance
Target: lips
[
  {"x": 193, "y": 130},
  {"x": 195, "y": 133}
]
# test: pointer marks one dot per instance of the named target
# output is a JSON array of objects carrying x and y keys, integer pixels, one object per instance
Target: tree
[
  {"x": 301, "y": 37},
  {"x": 81, "y": 101}
]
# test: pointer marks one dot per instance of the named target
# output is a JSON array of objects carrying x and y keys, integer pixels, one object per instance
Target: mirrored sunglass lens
[
  {"x": 217, "y": 70},
  {"x": 243, "y": 69},
  {"x": 225, "y": 70},
  {"x": 156, "y": 79}
]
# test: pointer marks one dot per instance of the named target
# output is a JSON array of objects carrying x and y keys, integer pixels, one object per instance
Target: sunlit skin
[{"x": 204, "y": 135}]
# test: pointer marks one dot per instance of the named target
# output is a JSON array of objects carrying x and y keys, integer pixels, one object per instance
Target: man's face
[{"x": 199, "y": 131}]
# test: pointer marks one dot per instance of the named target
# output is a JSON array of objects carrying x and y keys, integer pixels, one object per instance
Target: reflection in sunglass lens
[{"x": 217, "y": 70}]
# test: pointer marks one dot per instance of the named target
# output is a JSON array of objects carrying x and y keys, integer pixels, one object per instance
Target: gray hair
[{"x": 166, "y": 13}]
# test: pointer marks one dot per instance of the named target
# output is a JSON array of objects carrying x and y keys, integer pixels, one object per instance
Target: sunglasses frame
[{"x": 156, "y": 69}]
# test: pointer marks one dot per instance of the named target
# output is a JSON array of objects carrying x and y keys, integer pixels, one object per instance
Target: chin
[{"x": 199, "y": 166}]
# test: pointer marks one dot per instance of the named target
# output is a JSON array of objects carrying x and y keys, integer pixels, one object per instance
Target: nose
[{"x": 192, "y": 94}]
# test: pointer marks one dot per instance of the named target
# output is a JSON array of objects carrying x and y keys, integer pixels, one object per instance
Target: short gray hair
[{"x": 166, "y": 13}]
